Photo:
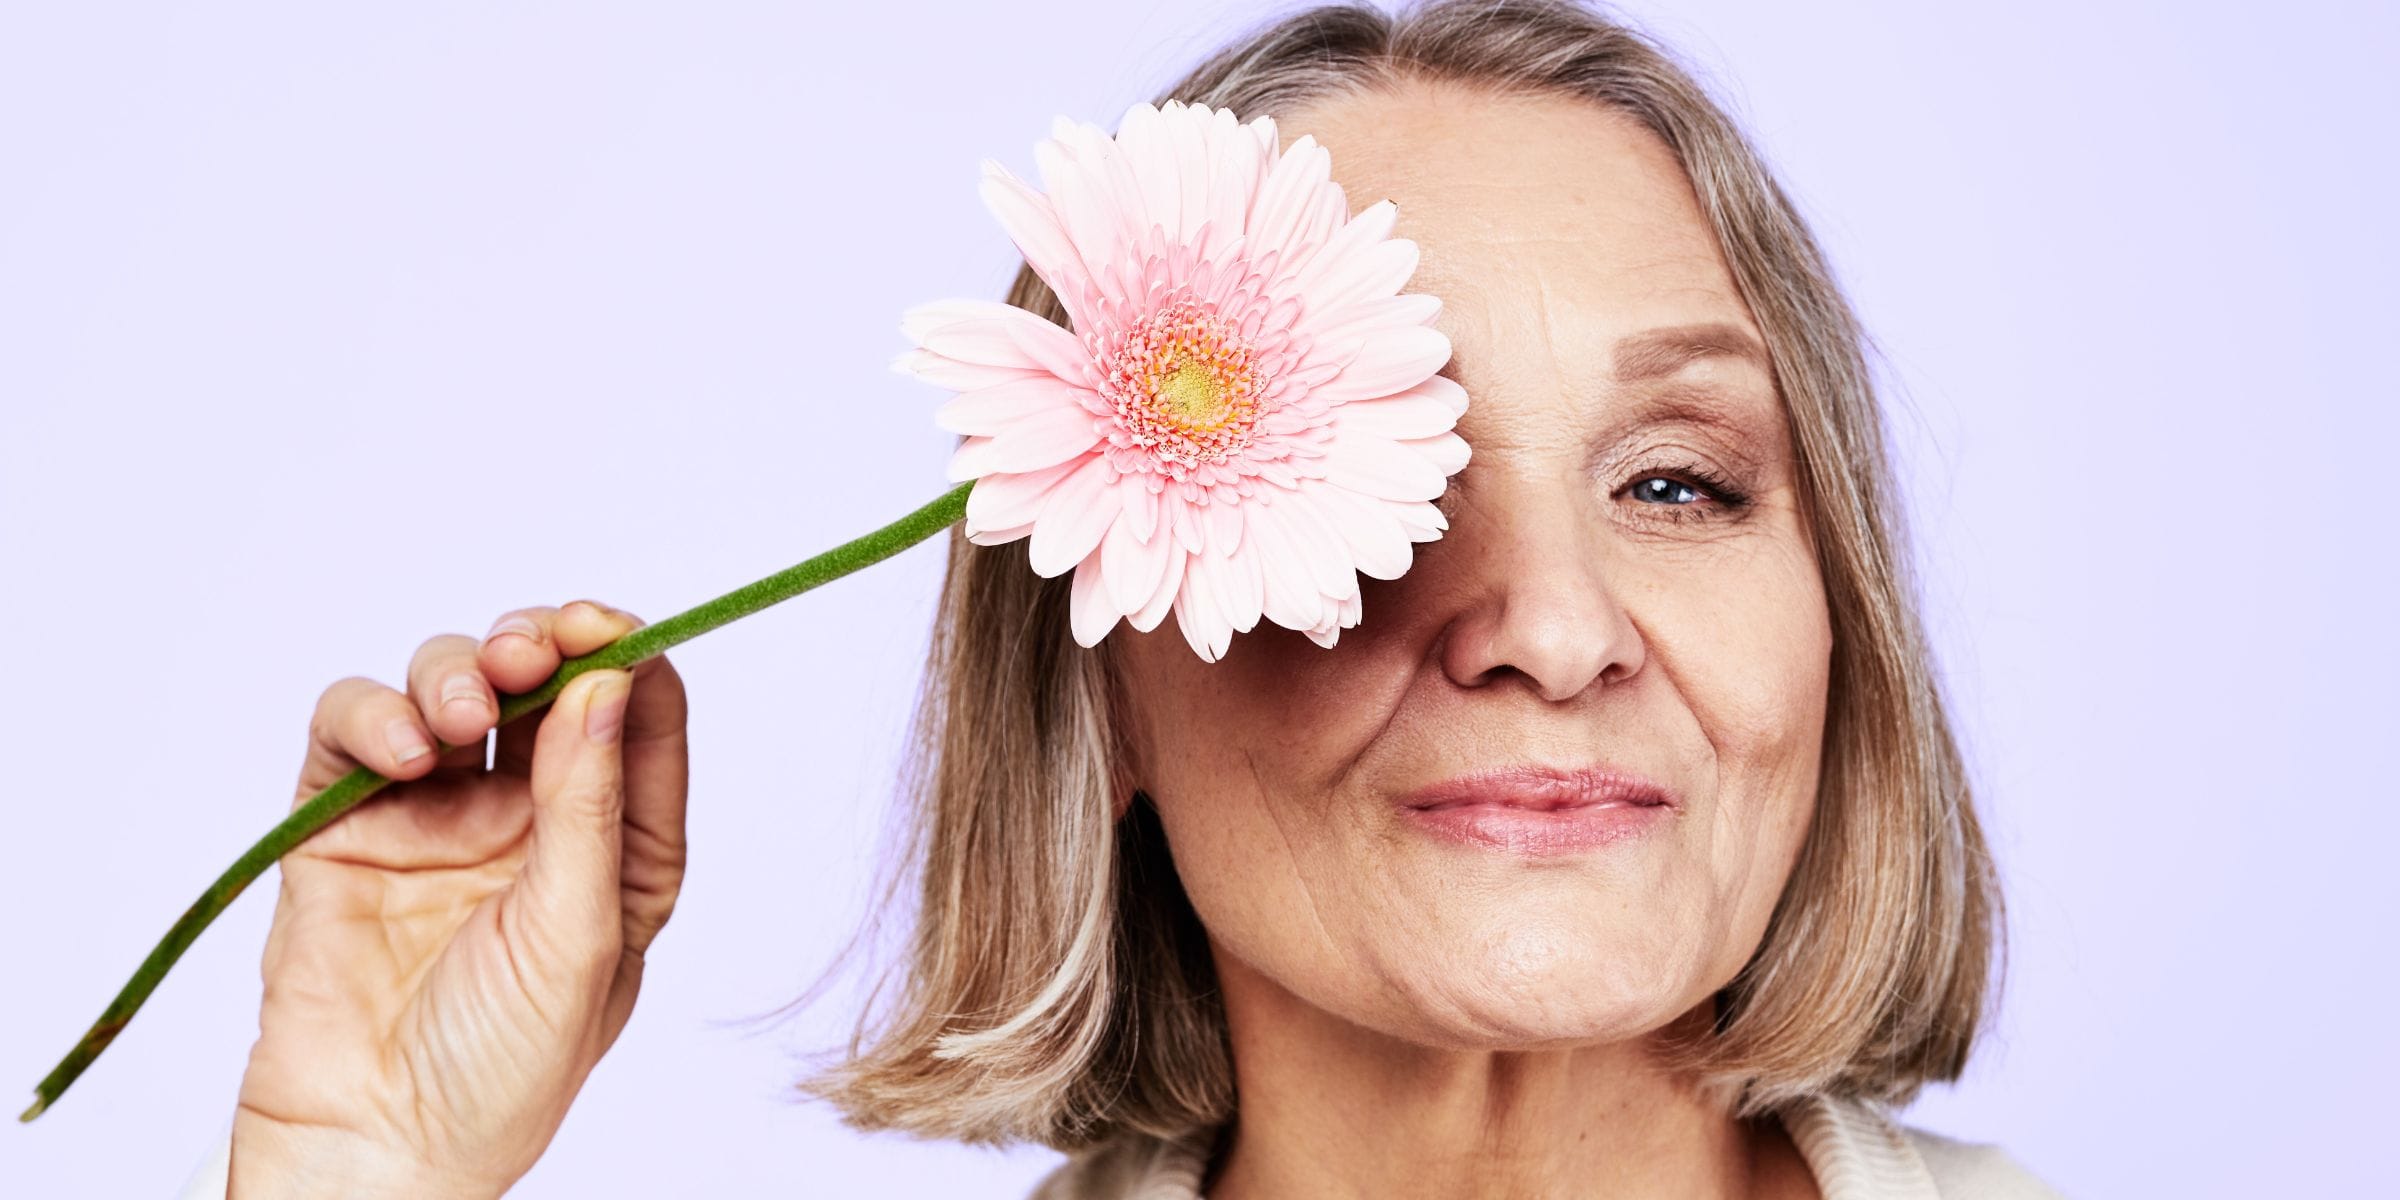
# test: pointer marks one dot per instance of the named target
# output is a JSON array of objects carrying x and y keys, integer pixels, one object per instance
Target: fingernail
[
  {"x": 462, "y": 687},
  {"x": 406, "y": 743},
  {"x": 604, "y": 713},
  {"x": 516, "y": 625}
]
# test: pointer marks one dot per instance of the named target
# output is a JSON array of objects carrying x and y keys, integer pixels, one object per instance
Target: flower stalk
[{"x": 345, "y": 793}]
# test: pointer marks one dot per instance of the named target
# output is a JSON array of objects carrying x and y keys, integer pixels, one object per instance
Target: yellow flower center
[
  {"x": 1189, "y": 396},
  {"x": 1185, "y": 385}
]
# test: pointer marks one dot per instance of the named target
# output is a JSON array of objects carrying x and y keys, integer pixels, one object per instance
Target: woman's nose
[{"x": 1532, "y": 594}]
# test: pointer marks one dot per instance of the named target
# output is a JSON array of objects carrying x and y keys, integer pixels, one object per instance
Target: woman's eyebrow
[
  {"x": 1730, "y": 408},
  {"x": 1750, "y": 434},
  {"x": 1656, "y": 353}
]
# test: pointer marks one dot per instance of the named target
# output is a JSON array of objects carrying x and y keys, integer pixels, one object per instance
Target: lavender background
[{"x": 325, "y": 330}]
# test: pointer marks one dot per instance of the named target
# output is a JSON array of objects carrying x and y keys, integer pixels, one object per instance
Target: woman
[{"x": 1622, "y": 849}]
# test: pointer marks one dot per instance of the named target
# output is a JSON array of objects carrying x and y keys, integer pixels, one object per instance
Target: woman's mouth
[{"x": 1539, "y": 810}]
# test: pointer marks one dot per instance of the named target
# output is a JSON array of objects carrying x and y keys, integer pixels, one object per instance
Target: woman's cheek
[{"x": 1236, "y": 866}]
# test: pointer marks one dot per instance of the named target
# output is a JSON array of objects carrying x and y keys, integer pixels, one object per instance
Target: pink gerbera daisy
[{"x": 1245, "y": 417}]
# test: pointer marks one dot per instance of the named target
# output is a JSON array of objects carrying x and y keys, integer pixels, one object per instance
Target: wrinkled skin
[
  {"x": 1590, "y": 603},
  {"x": 1410, "y": 1016},
  {"x": 449, "y": 959}
]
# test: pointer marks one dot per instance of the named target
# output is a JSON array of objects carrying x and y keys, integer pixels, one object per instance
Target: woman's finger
[
  {"x": 446, "y": 681},
  {"x": 517, "y": 654},
  {"x": 583, "y": 626},
  {"x": 657, "y": 788},
  {"x": 359, "y": 722},
  {"x": 566, "y": 905},
  {"x": 568, "y": 631}
]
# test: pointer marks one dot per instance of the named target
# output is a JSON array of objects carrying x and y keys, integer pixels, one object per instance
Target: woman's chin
[{"x": 1522, "y": 991}]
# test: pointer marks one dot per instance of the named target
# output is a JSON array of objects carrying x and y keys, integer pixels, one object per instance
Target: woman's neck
[{"x": 1328, "y": 1109}]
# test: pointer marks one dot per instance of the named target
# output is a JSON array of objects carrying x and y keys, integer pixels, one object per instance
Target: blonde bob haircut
[{"x": 1058, "y": 987}]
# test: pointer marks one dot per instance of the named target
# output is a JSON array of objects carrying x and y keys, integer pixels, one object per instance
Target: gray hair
[{"x": 1058, "y": 986}]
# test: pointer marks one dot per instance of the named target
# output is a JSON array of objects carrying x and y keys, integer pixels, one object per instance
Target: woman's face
[{"x": 1593, "y": 604}]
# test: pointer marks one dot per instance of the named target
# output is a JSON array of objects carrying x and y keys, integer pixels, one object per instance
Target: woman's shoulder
[
  {"x": 1857, "y": 1149},
  {"x": 1975, "y": 1170},
  {"x": 1132, "y": 1168}
]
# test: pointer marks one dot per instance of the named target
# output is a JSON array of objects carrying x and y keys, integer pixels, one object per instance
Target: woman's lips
[{"x": 1539, "y": 810}]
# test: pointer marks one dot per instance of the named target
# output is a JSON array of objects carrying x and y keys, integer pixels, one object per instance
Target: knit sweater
[{"x": 1854, "y": 1150}]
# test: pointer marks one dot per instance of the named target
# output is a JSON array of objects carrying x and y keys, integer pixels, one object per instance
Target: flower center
[
  {"x": 1185, "y": 385},
  {"x": 1190, "y": 396}
]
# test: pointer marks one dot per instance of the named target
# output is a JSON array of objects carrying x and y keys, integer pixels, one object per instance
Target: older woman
[{"x": 1622, "y": 850}]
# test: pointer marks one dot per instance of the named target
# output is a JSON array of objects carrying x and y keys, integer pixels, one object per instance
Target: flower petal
[
  {"x": 1375, "y": 538},
  {"x": 1345, "y": 616},
  {"x": 922, "y": 319},
  {"x": 1392, "y": 361},
  {"x": 1134, "y": 565},
  {"x": 1222, "y": 522},
  {"x": 999, "y": 537},
  {"x": 1030, "y": 221},
  {"x": 1380, "y": 467},
  {"x": 1328, "y": 481},
  {"x": 1203, "y": 626},
  {"x": 1094, "y": 196},
  {"x": 1014, "y": 338},
  {"x": 1448, "y": 452},
  {"x": 1444, "y": 389},
  {"x": 1409, "y": 414},
  {"x": 1330, "y": 210},
  {"x": 1363, "y": 274},
  {"x": 1089, "y": 614},
  {"x": 1288, "y": 595},
  {"x": 1044, "y": 438},
  {"x": 986, "y": 410},
  {"x": 1299, "y": 176},
  {"x": 1141, "y": 509},
  {"x": 971, "y": 460},
  {"x": 1339, "y": 334},
  {"x": 1057, "y": 351},
  {"x": 1008, "y": 498},
  {"x": 1423, "y": 522},
  {"x": 1157, "y": 170},
  {"x": 1237, "y": 584},
  {"x": 1169, "y": 588},
  {"x": 1358, "y": 261},
  {"x": 1185, "y": 523},
  {"x": 959, "y": 376},
  {"x": 1189, "y": 143},
  {"x": 1074, "y": 517},
  {"x": 1320, "y": 542}
]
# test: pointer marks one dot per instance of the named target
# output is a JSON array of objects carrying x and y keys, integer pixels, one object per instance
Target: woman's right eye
[
  {"x": 1661, "y": 489},
  {"x": 1676, "y": 494}
]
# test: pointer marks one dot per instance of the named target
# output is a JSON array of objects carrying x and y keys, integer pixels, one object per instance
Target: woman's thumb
[{"x": 569, "y": 890}]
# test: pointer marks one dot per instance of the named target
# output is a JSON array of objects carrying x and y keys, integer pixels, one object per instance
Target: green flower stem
[{"x": 343, "y": 794}]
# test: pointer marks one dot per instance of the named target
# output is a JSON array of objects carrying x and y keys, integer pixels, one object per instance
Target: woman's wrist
[{"x": 272, "y": 1159}]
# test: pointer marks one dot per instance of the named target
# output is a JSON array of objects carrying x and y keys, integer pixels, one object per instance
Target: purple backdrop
[{"x": 323, "y": 331}]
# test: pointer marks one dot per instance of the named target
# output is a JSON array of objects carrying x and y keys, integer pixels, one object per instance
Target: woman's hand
[{"x": 450, "y": 958}]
